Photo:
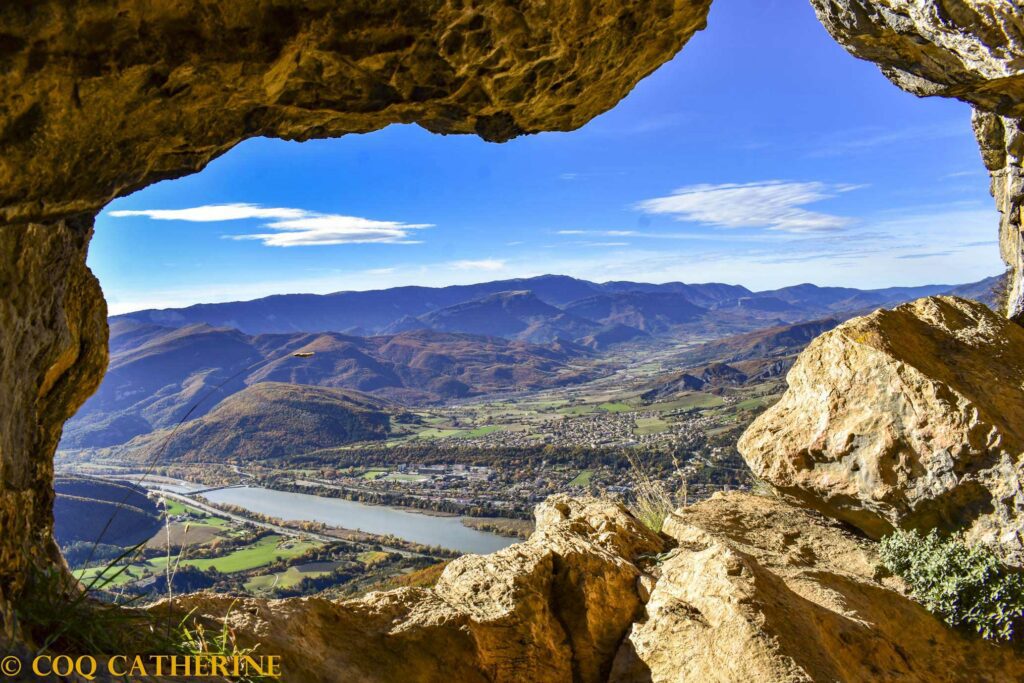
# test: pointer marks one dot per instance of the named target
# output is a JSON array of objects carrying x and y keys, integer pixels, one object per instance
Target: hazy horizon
[{"x": 113, "y": 313}]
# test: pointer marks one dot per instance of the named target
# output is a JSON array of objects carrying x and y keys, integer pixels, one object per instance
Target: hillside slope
[
  {"x": 653, "y": 312},
  {"x": 269, "y": 420},
  {"x": 160, "y": 374},
  {"x": 84, "y": 506},
  {"x": 520, "y": 315}
]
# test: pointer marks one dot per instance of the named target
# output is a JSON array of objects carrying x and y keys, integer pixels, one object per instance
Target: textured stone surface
[
  {"x": 757, "y": 590},
  {"x": 969, "y": 49},
  {"x": 1002, "y": 149},
  {"x": 760, "y": 591},
  {"x": 552, "y": 609},
  {"x": 912, "y": 417},
  {"x": 53, "y": 350},
  {"x": 99, "y": 99}
]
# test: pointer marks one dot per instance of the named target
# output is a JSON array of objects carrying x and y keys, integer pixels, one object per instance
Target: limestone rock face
[
  {"x": 969, "y": 49},
  {"x": 912, "y": 417},
  {"x": 552, "y": 609},
  {"x": 53, "y": 350},
  {"x": 1002, "y": 148},
  {"x": 98, "y": 99},
  {"x": 758, "y": 590}
]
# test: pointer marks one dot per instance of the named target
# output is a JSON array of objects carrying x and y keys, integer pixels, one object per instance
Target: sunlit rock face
[
  {"x": 53, "y": 351},
  {"x": 912, "y": 417},
  {"x": 969, "y": 49},
  {"x": 99, "y": 99},
  {"x": 754, "y": 590},
  {"x": 760, "y": 591},
  {"x": 1002, "y": 148}
]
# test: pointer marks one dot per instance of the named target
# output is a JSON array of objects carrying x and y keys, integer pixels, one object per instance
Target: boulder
[
  {"x": 758, "y": 590},
  {"x": 911, "y": 417}
]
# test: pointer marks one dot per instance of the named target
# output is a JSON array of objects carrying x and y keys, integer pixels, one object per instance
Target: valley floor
[{"x": 489, "y": 461}]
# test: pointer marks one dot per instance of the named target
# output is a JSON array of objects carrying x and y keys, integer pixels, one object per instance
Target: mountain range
[
  {"x": 538, "y": 309},
  {"x": 411, "y": 345}
]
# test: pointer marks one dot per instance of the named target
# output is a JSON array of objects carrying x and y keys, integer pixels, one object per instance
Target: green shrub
[{"x": 965, "y": 585}]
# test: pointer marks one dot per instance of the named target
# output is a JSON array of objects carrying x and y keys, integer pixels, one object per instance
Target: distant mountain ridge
[
  {"x": 270, "y": 420},
  {"x": 513, "y": 314},
  {"x": 750, "y": 357},
  {"x": 539, "y": 309}
]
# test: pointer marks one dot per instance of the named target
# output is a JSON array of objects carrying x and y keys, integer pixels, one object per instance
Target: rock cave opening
[{"x": 297, "y": 73}]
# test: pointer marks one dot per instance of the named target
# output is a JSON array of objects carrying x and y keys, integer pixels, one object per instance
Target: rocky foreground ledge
[{"x": 739, "y": 588}]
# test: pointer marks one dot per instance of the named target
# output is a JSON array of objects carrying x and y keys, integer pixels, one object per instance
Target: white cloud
[
  {"x": 571, "y": 232},
  {"x": 291, "y": 227},
  {"x": 212, "y": 213},
  {"x": 478, "y": 264},
  {"x": 773, "y": 204}
]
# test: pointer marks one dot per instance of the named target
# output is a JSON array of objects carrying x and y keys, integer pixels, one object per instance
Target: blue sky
[{"x": 763, "y": 155}]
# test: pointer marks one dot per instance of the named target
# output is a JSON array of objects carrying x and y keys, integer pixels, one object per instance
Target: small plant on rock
[{"x": 964, "y": 584}]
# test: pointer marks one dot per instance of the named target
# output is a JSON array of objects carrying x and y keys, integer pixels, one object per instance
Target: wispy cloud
[
  {"x": 291, "y": 227},
  {"x": 489, "y": 264},
  {"x": 773, "y": 204},
  {"x": 583, "y": 175},
  {"x": 924, "y": 254},
  {"x": 964, "y": 174},
  {"x": 863, "y": 139}
]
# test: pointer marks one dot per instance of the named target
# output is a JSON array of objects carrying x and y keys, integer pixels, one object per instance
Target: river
[{"x": 447, "y": 532}]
